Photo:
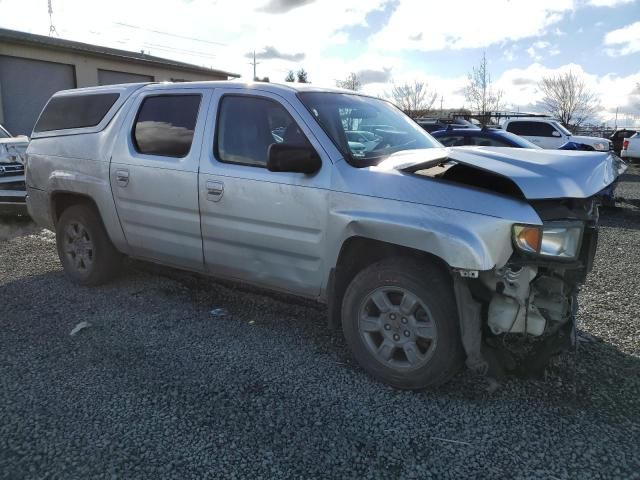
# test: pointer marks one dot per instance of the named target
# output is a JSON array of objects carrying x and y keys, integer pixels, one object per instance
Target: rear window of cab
[{"x": 75, "y": 111}]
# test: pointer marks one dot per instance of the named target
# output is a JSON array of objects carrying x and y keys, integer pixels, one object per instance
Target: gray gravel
[{"x": 156, "y": 386}]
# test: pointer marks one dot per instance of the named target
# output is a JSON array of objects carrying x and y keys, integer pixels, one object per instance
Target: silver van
[{"x": 426, "y": 256}]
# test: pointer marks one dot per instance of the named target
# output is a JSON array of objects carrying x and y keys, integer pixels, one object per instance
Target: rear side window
[
  {"x": 520, "y": 128},
  {"x": 75, "y": 111},
  {"x": 531, "y": 129},
  {"x": 248, "y": 125},
  {"x": 165, "y": 125}
]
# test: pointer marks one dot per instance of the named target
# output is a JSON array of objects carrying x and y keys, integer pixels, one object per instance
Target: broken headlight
[{"x": 558, "y": 240}]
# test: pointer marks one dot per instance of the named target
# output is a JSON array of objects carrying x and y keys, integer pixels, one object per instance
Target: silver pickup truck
[{"x": 426, "y": 256}]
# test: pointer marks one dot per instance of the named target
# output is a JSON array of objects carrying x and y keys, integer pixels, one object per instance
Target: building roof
[{"x": 15, "y": 36}]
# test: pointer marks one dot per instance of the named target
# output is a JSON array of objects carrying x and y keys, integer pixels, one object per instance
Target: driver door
[{"x": 261, "y": 227}]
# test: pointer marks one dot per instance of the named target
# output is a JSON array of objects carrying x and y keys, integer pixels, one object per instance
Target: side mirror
[
  {"x": 555, "y": 133},
  {"x": 292, "y": 158}
]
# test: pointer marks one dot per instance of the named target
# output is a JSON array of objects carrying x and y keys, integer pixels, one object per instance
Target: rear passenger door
[
  {"x": 154, "y": 175},
  {"x": 258, "y": 226}
]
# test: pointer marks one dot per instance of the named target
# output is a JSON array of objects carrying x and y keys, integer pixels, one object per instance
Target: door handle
[
  {"x": 215, "y": 190},
  {"x": 122, "y": 177}
]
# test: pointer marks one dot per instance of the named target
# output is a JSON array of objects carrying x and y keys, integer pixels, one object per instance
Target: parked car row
[{"x": 427, "y": 257}]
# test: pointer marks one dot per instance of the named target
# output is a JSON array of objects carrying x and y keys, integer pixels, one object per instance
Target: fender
[
  {"x": 461, "y": 239},
  {"x": 94, "y": 186}
]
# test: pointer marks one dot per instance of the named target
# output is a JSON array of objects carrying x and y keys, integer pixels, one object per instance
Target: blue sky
[{"x": 385, "y": 41}]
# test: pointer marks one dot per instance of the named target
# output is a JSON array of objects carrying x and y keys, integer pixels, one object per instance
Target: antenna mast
[{"x": 52, "y": 28}]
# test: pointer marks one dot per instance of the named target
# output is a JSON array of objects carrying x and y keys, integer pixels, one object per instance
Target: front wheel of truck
[
  {"x": 87, "y": 255},
  {"x": 400, "y": 319}
]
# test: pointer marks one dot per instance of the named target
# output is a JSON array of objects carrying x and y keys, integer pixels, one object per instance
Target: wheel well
[
  {"x": 356, "y": 254},
  {"x": 60, "y": 201}
]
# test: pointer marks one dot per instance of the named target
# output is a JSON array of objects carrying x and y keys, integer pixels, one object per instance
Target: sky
[{"x": 383, "y": 41}]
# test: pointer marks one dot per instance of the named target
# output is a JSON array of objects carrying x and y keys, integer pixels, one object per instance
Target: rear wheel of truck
[
  {"x": 400, "y": 319},
  {"x": 87, "y": 255}
]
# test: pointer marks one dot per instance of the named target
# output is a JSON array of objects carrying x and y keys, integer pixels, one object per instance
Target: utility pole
[
  {"x": 616, "y": 125},
  {"x": 441, "y": 99},
  {"x": 52, "y": 28},
  {"x": 254, "y": 63}
]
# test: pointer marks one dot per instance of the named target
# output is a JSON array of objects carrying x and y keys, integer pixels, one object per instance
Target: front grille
[{"x": 11, "y": 169}]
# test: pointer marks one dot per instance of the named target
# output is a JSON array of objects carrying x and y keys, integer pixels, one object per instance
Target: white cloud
[
  {"x": 427, "y": 26},
  {"x": 520, "y": 86},
  {"x": 624, "y": 40},
  {"x": 539, "y": 47},
  {"x": 608, "y": 3},
  {"x": 225, "y": 29}
]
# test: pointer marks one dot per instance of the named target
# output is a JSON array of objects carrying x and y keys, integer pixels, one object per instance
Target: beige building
[{"x": 33, "y": 67}]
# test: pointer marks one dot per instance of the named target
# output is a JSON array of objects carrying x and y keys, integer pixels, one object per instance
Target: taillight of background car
[{"x": 625, "y": 144}]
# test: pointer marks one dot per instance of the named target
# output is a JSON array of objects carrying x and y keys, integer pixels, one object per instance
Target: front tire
[
  {"x": 87, "y": 255},
  {"x": 400, "y": 319}
]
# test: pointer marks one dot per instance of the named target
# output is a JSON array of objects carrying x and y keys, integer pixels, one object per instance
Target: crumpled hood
[
  {"x": 539, "y": 174},
  {"x": 13, "y": 149}
]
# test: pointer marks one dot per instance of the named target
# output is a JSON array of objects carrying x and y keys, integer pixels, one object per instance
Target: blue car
[
  {"x": 493, "y": 137},
  {"x": 485, "y": 137}
]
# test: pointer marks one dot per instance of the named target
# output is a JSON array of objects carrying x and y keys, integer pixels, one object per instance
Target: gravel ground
[{"x": 157, "y": 386}]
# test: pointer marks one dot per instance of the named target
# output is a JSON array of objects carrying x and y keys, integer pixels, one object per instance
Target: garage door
[
  {"x": 26, "y": 85},
  {"x": 111, "y": 77}
]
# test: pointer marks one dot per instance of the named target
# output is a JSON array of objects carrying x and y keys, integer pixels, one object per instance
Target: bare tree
[
  {"x": 567, "y": 98},
  {"x": 414, "y": 99},
  {"x": 481, "y": 93},
  {"x": 291, "y": 77},
  {"x": 352, "y": 82}
]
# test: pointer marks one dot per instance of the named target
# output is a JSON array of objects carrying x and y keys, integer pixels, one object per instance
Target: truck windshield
[{"x": 366, "y": 130}]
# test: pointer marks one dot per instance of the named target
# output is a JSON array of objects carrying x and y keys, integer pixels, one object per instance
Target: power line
[
  {"x": 179, "y": 50},
  {"x": 159, "y": 32}
]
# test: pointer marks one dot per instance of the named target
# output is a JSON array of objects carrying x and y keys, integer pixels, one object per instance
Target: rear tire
[
  {"x": 87, "y": 255},
  {"x": 400, "y": 319}
]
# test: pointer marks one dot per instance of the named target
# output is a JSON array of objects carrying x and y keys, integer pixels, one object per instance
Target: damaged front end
[{"x": 516, "y": 317}]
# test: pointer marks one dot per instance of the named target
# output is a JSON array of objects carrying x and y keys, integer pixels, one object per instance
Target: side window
[
  {"x": 248, "y": 125},
  {"x": 543, "y": 129},
  {"x": 488, "y": 142},
  {"x": 165, "y": 125},
  {"x": 451, "y": 140},
  {"x": 75, "y": 111},
  {"x": 520, "y": 128}
]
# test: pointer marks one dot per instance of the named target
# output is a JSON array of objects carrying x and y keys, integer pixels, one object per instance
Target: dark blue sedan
[{"x": 485, "y": 137}]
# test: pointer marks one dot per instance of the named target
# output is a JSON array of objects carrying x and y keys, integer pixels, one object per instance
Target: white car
[
  {"x": 549, "y": 133},
  {"x": 631, "y": 147}
]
